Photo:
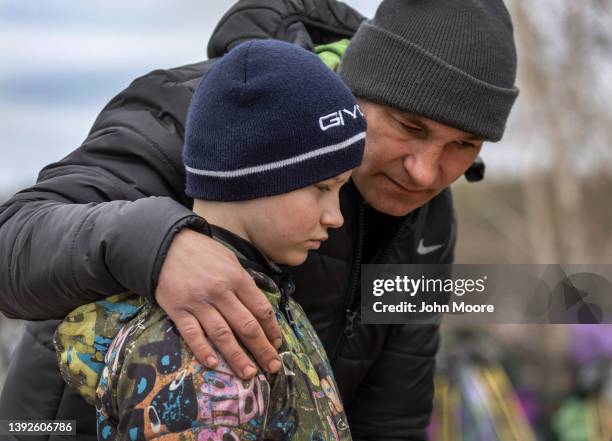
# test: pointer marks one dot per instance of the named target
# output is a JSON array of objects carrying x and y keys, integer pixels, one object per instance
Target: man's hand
[{"x": 211, "y": 298}]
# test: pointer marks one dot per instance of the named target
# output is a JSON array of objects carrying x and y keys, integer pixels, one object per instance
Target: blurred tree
[{"x": 564, "y": 48}]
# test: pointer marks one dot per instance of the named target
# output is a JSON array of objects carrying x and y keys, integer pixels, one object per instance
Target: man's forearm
[{"x": 56, "y": 255}]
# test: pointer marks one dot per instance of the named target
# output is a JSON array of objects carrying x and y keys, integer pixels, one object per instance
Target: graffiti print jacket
[
  {"x": 152, "y": 386},
  {"x": 101, "y": 220}
]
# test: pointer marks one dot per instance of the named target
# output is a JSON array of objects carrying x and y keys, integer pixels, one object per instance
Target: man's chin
[
  {"x": 396, "y": 203},
  {"x": 386, "y": 196},
  {"x": 393, "y": 207}
]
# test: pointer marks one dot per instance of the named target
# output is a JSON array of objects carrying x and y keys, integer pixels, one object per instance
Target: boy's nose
[{"x": 332, "y": 218}]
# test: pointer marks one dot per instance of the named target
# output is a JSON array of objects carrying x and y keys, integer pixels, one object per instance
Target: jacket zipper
[
  {"x": 284, "y": 307},
  {"x": 396, "y": 236},
  {"x": 349, "y": 323},
  {"x": 351, "y": 312}
]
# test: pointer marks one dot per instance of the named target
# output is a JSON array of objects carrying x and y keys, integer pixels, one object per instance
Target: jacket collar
[
  {"x": 248, "y": 254},
  {"x": 305, "y": 22}
]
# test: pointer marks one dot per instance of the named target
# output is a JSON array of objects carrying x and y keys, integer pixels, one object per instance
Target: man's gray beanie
[{"x": 453, "y": 61}]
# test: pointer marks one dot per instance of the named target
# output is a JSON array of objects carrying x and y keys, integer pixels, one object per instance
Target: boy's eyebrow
[{"x": 339, "y": 179}]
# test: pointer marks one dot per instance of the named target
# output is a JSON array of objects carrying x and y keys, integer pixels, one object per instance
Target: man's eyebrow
[{"x": 416, "y": 120}]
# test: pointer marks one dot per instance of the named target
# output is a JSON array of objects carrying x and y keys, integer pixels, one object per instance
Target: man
[{"x": 434, "y": 79}]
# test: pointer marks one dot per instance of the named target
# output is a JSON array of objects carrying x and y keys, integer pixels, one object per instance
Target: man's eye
[
  {"x": 324, "y": 187},
  {"x": 465, "y": 144},
  {"x": 410, "y": 128}
]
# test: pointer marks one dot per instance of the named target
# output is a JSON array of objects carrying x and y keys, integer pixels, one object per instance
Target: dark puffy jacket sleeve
[
  {"x": 100, "y": 221},
  {"x": 395, "y": 400}
]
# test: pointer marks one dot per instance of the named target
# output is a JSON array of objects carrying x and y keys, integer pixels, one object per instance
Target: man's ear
[{"x": 476, "y": 171}]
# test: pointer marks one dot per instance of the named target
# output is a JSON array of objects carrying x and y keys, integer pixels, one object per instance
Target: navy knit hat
[{"x": 269, "y": 118}]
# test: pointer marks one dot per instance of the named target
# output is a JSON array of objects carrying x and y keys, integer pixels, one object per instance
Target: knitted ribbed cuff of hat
[
  {"x": 385, "y": 68},
  {"x": 282, "y": 176}
]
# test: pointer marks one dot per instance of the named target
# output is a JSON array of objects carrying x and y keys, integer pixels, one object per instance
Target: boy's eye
[{"x": 324, "y": 187}]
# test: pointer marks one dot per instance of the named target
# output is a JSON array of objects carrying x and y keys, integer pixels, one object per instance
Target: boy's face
[
  {"x": 409, "y": 159},
  {"x": 285, "y": 227}
]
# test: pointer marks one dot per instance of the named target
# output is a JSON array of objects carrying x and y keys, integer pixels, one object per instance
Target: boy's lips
[{"x": 316, "y": 243}]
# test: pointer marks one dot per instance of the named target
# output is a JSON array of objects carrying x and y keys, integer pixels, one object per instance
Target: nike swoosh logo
[{"x": 422, "y": 249}]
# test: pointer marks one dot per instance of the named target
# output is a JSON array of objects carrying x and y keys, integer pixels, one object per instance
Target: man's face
[{"x": 409, "y": 159}]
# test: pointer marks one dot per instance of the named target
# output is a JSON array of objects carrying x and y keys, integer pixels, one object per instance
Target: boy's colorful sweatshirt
[{"x": 127, "y": 356}]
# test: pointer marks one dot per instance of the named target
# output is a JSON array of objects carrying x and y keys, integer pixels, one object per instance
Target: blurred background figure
[
  {"x": 586, "y": 413},
  {"x": 475, "y": 399},
  {"x": 546, "y": 196}
]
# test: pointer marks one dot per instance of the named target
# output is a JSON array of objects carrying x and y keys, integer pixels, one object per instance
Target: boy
[{"x": 272, "y": 134}]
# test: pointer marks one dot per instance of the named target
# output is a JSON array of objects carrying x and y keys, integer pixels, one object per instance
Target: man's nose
[{"x": 424, "y": 166}]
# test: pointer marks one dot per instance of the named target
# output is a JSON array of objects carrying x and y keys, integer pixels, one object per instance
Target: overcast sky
[{"x": 62, "y": 60}]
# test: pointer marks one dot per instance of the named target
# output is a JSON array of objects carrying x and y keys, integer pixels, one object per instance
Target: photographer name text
[{"x": 456, "y": 307}]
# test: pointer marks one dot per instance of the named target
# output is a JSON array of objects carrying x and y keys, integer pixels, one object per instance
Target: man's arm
[
  {"x": 113, "y": 216},
  {"x": 89, "y": 226},
  {"x": 82, "y": 233}
]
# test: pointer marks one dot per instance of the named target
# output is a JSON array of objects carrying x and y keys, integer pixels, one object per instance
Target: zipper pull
[
  {"x": 289, "y": 315},
  {"x": 348, "y": 327},
  {"x": 284, "y": 304}
]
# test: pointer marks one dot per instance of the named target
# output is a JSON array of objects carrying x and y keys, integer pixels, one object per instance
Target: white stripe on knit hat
[{"x": 278, "y": 164}]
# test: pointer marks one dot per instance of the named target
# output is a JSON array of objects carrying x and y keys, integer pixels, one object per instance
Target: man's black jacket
[{"x": 100, "y": 221}]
